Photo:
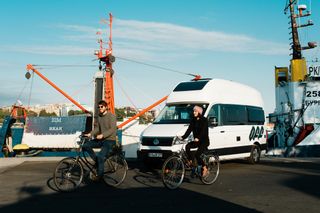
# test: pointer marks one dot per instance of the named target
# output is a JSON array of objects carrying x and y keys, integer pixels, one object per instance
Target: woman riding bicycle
[{"x": 199, "y": 127}]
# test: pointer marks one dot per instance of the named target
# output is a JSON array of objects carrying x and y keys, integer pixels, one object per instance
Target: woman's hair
[{"x": 198, "y": 109}]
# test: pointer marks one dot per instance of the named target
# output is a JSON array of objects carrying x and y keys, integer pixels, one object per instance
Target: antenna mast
[
  {"x": 296, "y": 46},
  {"x": 106, "y": 58}
]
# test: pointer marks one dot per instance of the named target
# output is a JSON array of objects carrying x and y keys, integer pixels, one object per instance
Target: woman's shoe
[{"x": 205, "y": 171}]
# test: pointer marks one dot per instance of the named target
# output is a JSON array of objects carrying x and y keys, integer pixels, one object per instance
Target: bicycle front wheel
[
  {"x": 68, "y": 174},
  {"x": 213, "y": 165},
  {"x": 115, "y": 170},
  {"x": 173, "y": 171}
]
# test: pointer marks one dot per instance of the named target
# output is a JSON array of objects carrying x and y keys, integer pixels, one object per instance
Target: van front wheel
[{"x": 255, "y": 155}]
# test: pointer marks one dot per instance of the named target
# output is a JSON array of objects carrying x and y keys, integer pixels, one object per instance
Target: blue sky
[{"x": 240, "y": 41}]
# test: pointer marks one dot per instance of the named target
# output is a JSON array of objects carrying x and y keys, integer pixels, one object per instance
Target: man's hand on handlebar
[
  {"x": 88, "y": 135},
  {"x": 99, "y": 137},
  {"x": 85, "y": 135}
]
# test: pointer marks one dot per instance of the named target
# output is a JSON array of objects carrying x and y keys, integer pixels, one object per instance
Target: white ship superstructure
[{"x": 297, "y": 87}]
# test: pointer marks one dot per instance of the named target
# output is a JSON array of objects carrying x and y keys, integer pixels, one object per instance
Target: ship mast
[
  {"x": 107, "y": 59},
  {"x": 296, "y": 46}
]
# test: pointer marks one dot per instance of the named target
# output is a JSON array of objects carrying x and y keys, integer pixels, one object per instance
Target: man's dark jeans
[{"x": 106, "y": 148}]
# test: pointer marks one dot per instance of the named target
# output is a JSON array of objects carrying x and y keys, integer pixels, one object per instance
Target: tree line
[{"x": 121, "y": 113}]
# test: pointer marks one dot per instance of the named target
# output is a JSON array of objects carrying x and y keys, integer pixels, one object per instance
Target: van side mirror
[{"x": 213, "y": 121}]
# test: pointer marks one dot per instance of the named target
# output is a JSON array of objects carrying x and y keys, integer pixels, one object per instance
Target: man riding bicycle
[
  {"x": 104, "y": 137},
  {"x": 199, "y": 127}
]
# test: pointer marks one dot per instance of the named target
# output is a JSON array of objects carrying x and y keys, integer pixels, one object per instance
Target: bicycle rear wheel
[
  {"x": 213, "y": 165},
  {"x": 115, "y": 170},
  {"x": 173, "y": 171},
  {"x": 68, "y": 174}
]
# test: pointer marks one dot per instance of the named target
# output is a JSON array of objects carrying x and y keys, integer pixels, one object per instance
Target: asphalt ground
[{"x": 274, "y": 185}]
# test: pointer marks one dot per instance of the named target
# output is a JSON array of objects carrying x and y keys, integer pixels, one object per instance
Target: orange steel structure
[
  {"x": 15, "y": 111},
  {"x": 142, "y": 112},
  {"x": 108, "y": 59},
  {"x": 30, "y": 67}
]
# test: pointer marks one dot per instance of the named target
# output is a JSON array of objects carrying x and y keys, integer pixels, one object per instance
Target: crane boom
[{"x": 30, "y": 67}]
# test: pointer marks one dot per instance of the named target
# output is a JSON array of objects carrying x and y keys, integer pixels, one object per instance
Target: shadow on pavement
[
  {"x": 96, "y": 197},
  {"x": 308, "y": 184},
  {"x": 307, "y": 174},
  {"x": 307, "y": 165}
]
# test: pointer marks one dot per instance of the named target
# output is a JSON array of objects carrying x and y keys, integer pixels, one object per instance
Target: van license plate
[{"x": 155, "y": 155}]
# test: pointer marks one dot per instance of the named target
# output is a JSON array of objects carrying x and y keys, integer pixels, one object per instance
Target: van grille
[{"x": 157, "y": 141}]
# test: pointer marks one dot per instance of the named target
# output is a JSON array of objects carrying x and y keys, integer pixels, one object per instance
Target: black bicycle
[
  {"x": 174, "y": 168},
  {"x": 69, "y": 172}
]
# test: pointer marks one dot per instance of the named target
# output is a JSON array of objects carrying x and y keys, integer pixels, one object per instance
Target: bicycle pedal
[{"x": 94, "y": 177}]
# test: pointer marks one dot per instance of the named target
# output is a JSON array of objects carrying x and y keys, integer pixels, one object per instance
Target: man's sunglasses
[{"x": 100, "y": 107}]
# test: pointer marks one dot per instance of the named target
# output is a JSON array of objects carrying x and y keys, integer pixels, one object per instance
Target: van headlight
[{"x": 177, "y": 141}]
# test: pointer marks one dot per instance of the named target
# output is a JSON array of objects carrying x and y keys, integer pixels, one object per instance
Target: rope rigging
[
  {"x": 57, "y": 66},
  {"x": 18, "y": 100},
  {"x": 52, "y": 66},
  {"x": 126, "y": 94},
  {"x": 62, "y": 65},
  {"x": 22, "y": 90},
  {"x": 158, "y": 67},
  {"x": 140, "y": 91},
  {"x": 30, "y": 92},
  {"x": 81, "y": 88}
]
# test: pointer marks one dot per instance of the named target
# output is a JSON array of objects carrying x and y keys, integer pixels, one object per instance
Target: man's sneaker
[
  {"x": 189, "y": 163},
  {"x": 95, "y": 177},
  {"x": 193, "y": 172}
]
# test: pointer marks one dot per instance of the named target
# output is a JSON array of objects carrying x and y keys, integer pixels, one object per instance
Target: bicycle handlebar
[
  {"x": 177, "y": 140},
  {"x": 83, "y": 139}
]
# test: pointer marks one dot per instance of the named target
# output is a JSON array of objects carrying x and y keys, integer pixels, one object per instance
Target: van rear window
[{"x": 193, "y": 85}]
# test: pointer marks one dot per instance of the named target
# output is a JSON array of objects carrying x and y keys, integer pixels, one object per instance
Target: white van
[{"x": 235, "y": 115}]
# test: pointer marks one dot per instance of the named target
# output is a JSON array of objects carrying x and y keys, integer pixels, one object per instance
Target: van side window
[
  {"x": 255, "y": 115},
  {"x": 188, "y": 86},
  {"x": 233, "y": 114}
]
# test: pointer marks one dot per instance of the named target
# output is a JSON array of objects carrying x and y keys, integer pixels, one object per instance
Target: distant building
[{"x": 60, "y": 109}]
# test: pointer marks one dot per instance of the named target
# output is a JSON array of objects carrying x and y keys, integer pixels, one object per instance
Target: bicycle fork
[{"x": 67, "y": 174}]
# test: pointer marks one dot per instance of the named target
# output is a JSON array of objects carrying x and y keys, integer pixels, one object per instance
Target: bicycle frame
[
  {"x": 70, "y": 171},
  {"x": 183, "y": 155},
  {"x": 174, "y": 168},
  {"x": 81, "y": 157}
]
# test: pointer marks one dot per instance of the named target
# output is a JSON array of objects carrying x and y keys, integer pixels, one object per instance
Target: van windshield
[{"x": 177, "y": 113}]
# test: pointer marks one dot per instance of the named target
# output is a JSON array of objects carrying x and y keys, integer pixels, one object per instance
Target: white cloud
[
  {"x": 77, "y": 28},
  {"x": 165, "y": 36},
  {"x": 145, "y": 40},
  {"x": 53, "y": 50}
]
